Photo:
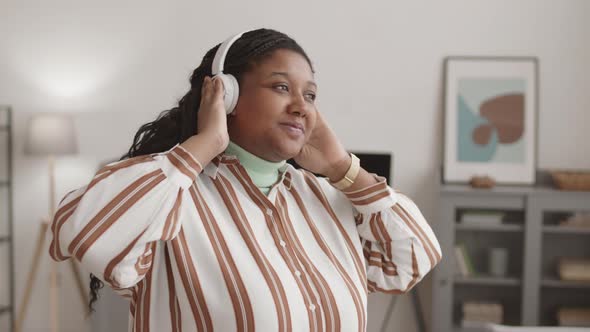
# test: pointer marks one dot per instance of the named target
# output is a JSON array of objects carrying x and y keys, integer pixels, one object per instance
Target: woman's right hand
[{"x": 212, "y": 119}]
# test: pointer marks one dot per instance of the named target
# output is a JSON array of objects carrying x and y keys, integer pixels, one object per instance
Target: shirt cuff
[
  {"x": 374, "y": 198},
  {"x": 180, "y": 165}
]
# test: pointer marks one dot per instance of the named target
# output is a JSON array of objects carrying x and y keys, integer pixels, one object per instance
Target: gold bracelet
[{"x": 351, "y": 174}]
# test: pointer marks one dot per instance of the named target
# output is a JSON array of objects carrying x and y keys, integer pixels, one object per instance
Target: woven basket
[{"x": 571, "y": 180}]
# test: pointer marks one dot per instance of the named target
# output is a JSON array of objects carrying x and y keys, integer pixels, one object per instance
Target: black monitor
[{"x": 378, "y": 163}]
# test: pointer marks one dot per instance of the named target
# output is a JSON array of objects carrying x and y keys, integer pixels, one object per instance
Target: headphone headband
[{"x": 221, "y": 53}]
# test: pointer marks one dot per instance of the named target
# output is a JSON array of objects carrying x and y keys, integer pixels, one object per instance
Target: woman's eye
[
  {"x": 283, "y": 87},
  {"x": 310, "y": 96}
]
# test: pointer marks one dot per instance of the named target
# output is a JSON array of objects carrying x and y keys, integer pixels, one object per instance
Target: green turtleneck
[{"x": 264, "y": 173}]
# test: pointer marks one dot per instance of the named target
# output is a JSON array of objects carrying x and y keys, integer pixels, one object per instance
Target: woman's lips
[{"x": 294, "y": 129}]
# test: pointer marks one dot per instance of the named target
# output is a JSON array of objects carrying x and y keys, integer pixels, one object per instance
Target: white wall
[{"x": 379, "y": 68}]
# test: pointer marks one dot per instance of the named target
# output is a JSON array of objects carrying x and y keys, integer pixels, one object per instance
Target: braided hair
[{"x": 179, "y": 123}]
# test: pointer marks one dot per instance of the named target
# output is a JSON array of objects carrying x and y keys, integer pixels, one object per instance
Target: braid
[
  {"x": 255, "y": 46},
  {"x": 177, "y": 124},
  {"x": 268, "y": 45}
]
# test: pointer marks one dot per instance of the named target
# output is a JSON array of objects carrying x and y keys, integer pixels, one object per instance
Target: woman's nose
[{"x": 298, "y": 105}]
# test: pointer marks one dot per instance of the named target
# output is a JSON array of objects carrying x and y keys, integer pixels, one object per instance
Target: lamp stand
[
  {"x": 54, "y": 271},
  {"x": 53, "y": 275}
]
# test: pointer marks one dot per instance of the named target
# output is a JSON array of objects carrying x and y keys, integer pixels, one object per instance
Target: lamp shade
[{"x": 51, "y": 134}]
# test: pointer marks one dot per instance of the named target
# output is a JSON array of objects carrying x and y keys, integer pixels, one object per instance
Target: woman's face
[{"x": 275, "y": 113}]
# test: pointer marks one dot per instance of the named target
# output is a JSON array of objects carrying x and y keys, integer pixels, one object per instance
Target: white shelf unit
[{"x": 532, "y": 292}]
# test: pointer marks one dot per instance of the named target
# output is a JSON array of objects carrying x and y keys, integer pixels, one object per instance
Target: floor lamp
[{"x": 49, "y": 135}]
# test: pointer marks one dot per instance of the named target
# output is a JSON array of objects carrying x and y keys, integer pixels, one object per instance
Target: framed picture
[{"x": 491, "y": 119}]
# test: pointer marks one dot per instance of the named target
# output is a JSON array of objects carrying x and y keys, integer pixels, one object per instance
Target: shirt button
[
  {"x": 269, "y": 212},
  {"x": 282, "y": 243},
  {"x": 311, "y": 307},
  {"x": 297, "y": 273}
]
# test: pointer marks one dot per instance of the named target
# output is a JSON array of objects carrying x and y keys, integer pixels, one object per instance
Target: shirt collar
[{"x": 235, "y": 154}]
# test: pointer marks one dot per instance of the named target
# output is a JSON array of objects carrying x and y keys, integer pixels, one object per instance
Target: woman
[{"x": 204, "y": 226}]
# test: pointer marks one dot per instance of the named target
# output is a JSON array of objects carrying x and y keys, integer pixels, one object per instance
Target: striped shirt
[{"x": 203, "y": 249}]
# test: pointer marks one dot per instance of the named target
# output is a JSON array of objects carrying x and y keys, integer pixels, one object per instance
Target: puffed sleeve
[
  {"x": 111, "y": 224},
  {"x": 399, "y": 246}
]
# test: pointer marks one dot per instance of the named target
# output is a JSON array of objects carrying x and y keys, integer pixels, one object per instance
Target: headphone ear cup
[{"x": 231, "y": 91}]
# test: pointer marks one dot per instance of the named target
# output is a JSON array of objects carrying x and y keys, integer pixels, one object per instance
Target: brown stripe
[
  {"x": 421, "y": 232},
  {"x": 145, "y": 184},
  {"x": 329, "y": 305},
  {"x": 358, "y": 219},
  {"x": 188, "y": 158},
  {"x": 57, "y": 217},
  {"x": 377, "y": 257},
  {"x": 147, "y": 299},
  {"x": 374, "y": 230},
  {"x": 357, "y": 299},
  {"x": 287, "y": 180},
  {"x": 367, "y": 191},
  {"x": 144, "y": 261},
  {"x": 133, "y": 299},
  {"x": 206, "y": 324},
  {"x": 373, "y": 285},
  {"x": 172, "y": 218},
  {"x": 181, "y": 167},
  {"x": 109, "y": 206},
  {"x": 55, "y": 246},
  {"x": 216, "y": 161},
  {"x": 385, "y": 235},
  {"x": 409, "y": 221},
  {"x": 138, "y": 306},
  {"x": 172, "y": 300},
  {"x": 313, "y": 184},
  {"x": 96, "y": 180},
  {"x": 125, "y": 163},
  {"x": 228, "y": 195},
  {"x": 304, "y": 280},
  {"x": 191, "y": 283},
  {"x": 115, "y": 261},
  {"x": 66, "y": 195},
  {"x": 287, "y": 253},
  {"x": 178, "y": 317},
  {"x": 370, "y": 200},
  {"x": 383, "y": 266},
  {"x": 228, "y": 159},
  {"x": 415, "y": 272},
  {"x": 367, "y": 250},
  {"x": 237, "y": 291},
  {"x": 383, "y": 269},
  {"x": 106, "y": 171},
  {"x": 410, "y": 285}
]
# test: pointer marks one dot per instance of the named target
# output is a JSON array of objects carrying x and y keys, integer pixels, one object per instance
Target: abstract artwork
[{"x": 490, "y": 119}]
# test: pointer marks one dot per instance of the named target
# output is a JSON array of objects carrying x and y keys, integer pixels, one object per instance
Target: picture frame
[{"x": 490, "y": 120}]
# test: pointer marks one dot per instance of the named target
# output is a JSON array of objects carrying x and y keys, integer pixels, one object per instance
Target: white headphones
[{"x": 230, "y": 83}]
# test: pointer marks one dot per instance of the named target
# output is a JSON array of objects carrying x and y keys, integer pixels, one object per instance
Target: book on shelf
[
  {"x": 460, "y": 264},
  {"x": 573, "y": 317},
  {"x": 485, "y": 312},
  {"x": 482, "y": 217},
  {"x": 463, "y": 261},
  {"x": 574, "y": 269},
  {"x": 576, "y": 220}
]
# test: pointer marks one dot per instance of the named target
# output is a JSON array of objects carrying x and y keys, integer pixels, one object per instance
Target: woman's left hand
[{"x": 323, "y": 153}]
